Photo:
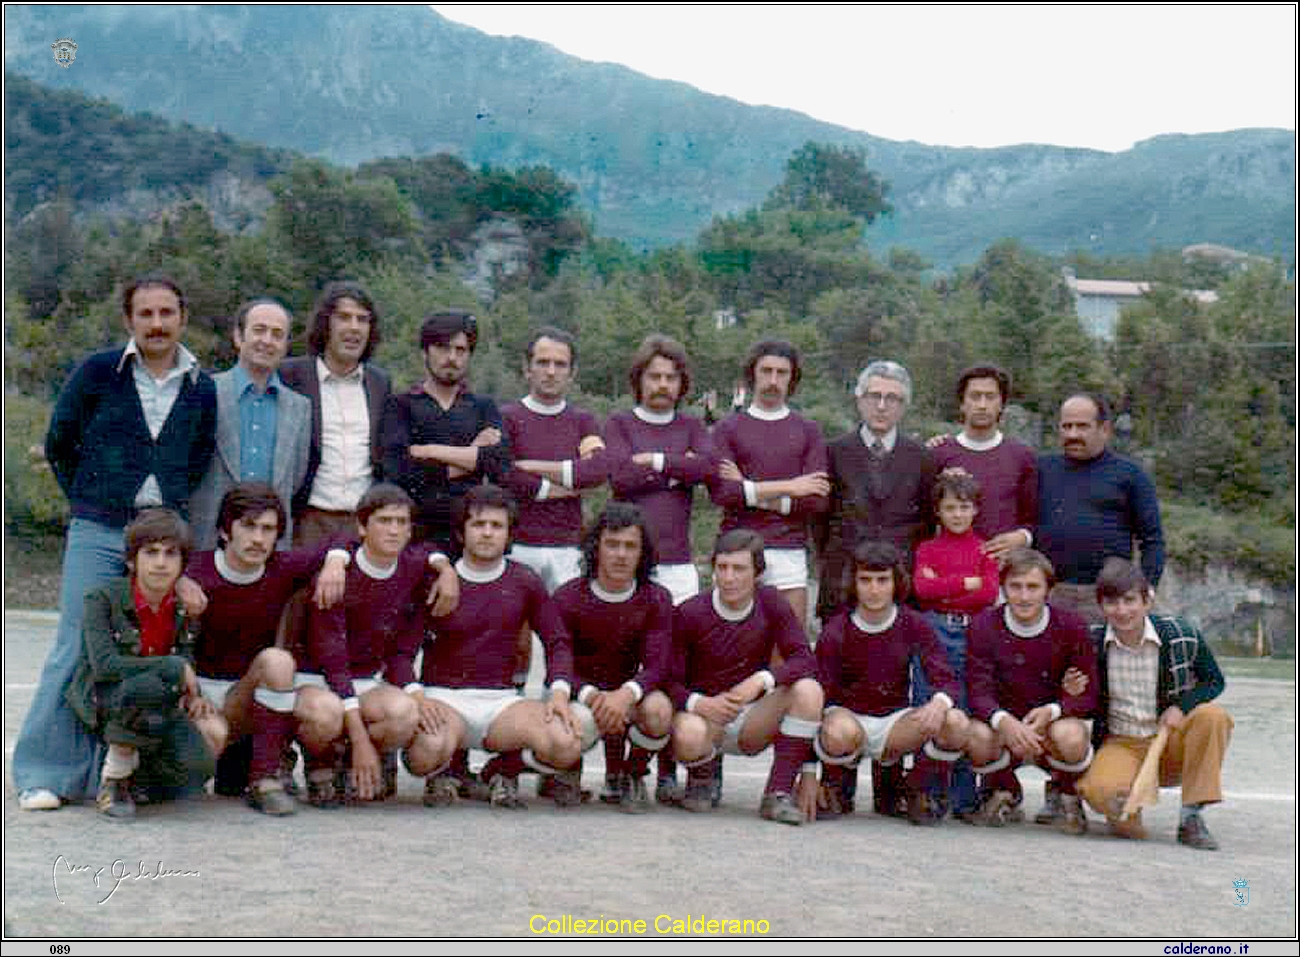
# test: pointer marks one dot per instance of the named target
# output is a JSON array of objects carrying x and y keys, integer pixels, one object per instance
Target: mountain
[{"x": 654, "y": 160}]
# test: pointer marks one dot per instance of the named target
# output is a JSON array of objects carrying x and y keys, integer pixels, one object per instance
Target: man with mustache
[
  {"x": 1093, "y": 504},
  {"x": 347, "y": 393},
  {"x": 134, "y": 427},
  {"x": 439, "y": 439},
  {"x": 263, "y": 428},
  {"x": 772, "y": 470}
]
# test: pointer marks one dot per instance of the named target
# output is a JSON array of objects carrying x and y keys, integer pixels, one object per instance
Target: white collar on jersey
[
  {"x": 875, "y": 629},
  {"x": 730, "y": 614},
  {"x": 612, "y": 597},
  {"x": 979, "y": 445},
  {"x": 654, "y": 418},
  {"x": 480, "y": 577},
  {"x": 1026, "y": 631},
  {"x": 234, "y": 577},
  {"x": 532, "y": 405},
  {"x": 763, "y": 415},
  {"x": 377, "y": 572}
]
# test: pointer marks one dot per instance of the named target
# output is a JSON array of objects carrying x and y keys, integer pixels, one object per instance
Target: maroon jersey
[
  {"x": 617, "y": 641},
  {"x": 550, "y": 438},
  {"x": 242, "y": 618},
  {"x": 1008, "y": 477},
  {"x": 868, "y": 672},
  {"x": 1005, "y": 672},
  {"x": 474, "y": 646},
  {"x": 712, "y": 653},
  {"x": 768, "y": 450},
  {"x": 664, "y": 495},
  {"x": 377, "y": 627}
]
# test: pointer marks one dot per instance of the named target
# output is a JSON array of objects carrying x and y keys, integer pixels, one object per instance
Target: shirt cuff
[
  {"x": 413, "y": 686},
  {"x": 566, "y": 473},
  {"x": 943, "y": 696},
  {"x": 1030, "y": 543},
  {"x": 544, "y": 490},
  {"x": 351, "y": 703},
  {"x": 769, "y": 681},
  {"x": 658, "y": 462},
  {"x": 997, "y": 717},
  {"x": 1056, "y": 711},
  {"x": 786, "y": 505},
  {"x": 347, "y": 556},
  {"x": 751, "y": 493},
  {"x": 637, "y": 693},
  {"x": 434, "y": 557},
  {"x": 584, "y": 695},
  {"x": 562, "y": 684},
  {"x": 692, "y": 700}
]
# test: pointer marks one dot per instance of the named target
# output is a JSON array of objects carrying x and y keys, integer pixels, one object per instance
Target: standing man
[
  {"x": 263, "y": 428},
  {"x": 1093, "y": 504},
  {"x": 658, "y": 455},
  {"x": 557, "y": 453},
  {"x": 439, "y": 439},
  {"x": 133, "y": 427},
  {"x": 880, "y": 483},
  {"x": 772, "y": 470},
  {"x": 1006, "y": 470},
  {"x": 347, "y": 394}
]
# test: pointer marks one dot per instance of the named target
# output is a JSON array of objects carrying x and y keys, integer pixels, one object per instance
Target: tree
[{"x": 824, "y": 176}]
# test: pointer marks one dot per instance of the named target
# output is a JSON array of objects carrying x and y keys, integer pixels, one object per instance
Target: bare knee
[
  {"x": 806, "y": 699},
  {"x": 956, "y": 729},
  {"x": 841, "y": 734},
  {"x": 656, "y": 714},
  {"x": 1069, "y": 738},
  {"x": 691, "y": 738},
  {"x": 275, "y": 668},
  {"x": 982, "y": 743}
]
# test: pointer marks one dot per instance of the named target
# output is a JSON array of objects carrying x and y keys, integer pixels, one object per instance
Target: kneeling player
[
  {"x": 863, "y": 662},
  {"x": 469, "y": 666},
  {"x": 1016, "y": 670},
  {"x": 249, "y": 680},
  {"x": 728, "y": 697},
  {"x": 621, "y": 627},
  {"x": 365, "y": 646},
  {"x": 135, "y": 682}
]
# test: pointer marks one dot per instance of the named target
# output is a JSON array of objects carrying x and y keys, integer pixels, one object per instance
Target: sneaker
[
  {"x": 668, "y": 791},
  {"x": 115, "y": 801},
  {"x": 288, "y": 764},
  {"x": 504, "y": 792},
  {"x": 614, "y": 789},
  {"x": 321, "y": 791},
  {"x": 887, "y": 797},
  {"x": 1052, "y": 812},
  {"x": 1194, "y": 833},
  {"x": 567, "y": 789},
  {"x": 998, "y": 810},
  {"x": 778, "y": 807},
  {"x": 1074, "y": 820},
  {"x": 699, "y": 790},
  {"x": 269, "y": 797},
  {"x": 39, "y": 799},
  {"x": 441, "y": 790},
  {"x": 635, "y": 798},
  {"x": 389, "y": 787},
  {"x": 925, "y": 809}
]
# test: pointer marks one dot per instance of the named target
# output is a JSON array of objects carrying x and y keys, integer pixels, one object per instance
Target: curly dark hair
[{"x": 616, "y": 517}]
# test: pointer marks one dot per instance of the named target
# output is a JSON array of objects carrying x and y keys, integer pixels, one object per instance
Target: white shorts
[
  {"x": 876, "y": 732},
  {"x": 477, "y": 707},
  {"x": 731, "y": 733},
  {"x": 554, "y": 564},
  {"x": 786, "y": 568},
  {"x": 682, "y": 580}
]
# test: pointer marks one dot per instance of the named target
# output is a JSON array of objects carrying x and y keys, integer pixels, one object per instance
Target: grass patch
[{"x": 33, "y": 570}]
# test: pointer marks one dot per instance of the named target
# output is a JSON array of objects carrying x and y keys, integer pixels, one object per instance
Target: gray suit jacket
[{"x": 288, "y": 466}]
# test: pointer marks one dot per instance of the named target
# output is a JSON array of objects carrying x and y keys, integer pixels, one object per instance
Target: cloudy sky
[{"x": 1103, "y": 76}]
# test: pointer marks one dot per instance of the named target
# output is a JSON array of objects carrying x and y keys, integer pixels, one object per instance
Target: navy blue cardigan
[{"x": 100, "y": 447}]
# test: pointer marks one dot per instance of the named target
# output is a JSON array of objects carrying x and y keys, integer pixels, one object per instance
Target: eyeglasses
[{"x": 885, "y": 398}]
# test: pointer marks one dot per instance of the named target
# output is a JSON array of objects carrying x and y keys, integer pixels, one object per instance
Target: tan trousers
[{"x": 1193, "y": 755}]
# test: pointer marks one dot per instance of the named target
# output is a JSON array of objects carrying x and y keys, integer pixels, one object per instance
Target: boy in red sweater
[{"x": 954, "y": 580}]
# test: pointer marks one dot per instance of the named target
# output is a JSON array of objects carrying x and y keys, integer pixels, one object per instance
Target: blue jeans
[
  {"x": 952, "y": 637},
  {"x": 54, "y": 749}
]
